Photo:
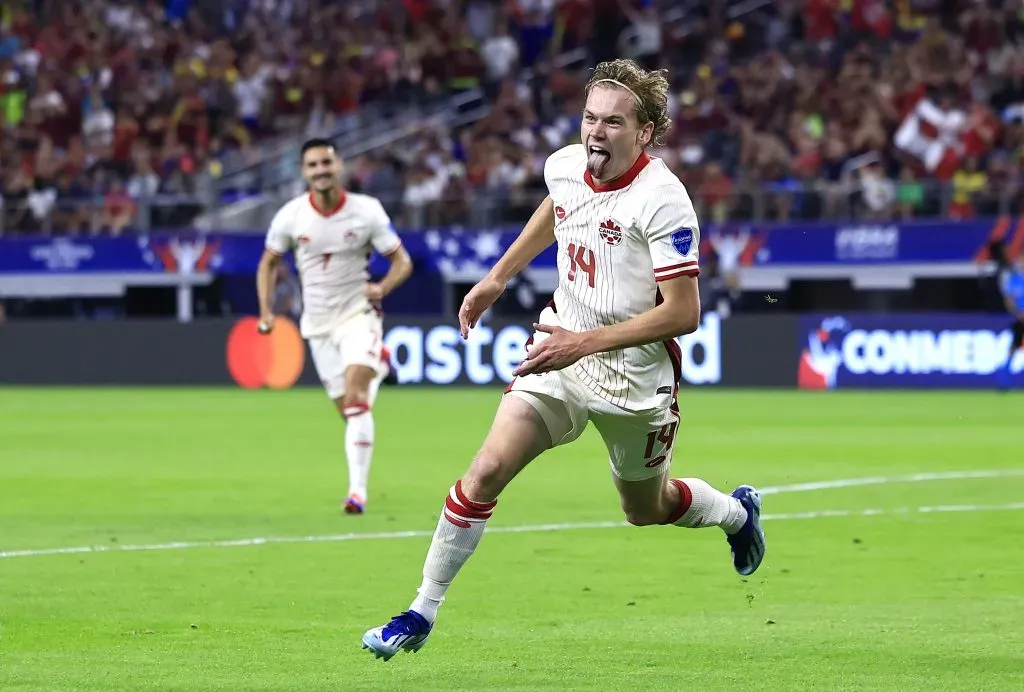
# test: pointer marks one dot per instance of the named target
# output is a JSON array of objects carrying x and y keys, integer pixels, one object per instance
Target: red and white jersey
[
  {"x": 615, "y": 243},
  {"x": 331, "y": 253}
]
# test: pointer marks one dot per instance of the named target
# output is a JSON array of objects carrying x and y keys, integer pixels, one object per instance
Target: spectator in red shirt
[{"x": 118, "y": 210}]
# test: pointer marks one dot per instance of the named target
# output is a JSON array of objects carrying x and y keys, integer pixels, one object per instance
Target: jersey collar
[
  {"x": 342, "y": 198},
  {"x": 623, "y": 180}
]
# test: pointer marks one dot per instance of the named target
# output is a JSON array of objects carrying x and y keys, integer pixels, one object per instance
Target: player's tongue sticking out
[{"x": 597, "y": 160}]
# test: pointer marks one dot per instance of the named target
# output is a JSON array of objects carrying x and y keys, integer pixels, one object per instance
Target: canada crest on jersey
[{"x": 611, "y": 232}]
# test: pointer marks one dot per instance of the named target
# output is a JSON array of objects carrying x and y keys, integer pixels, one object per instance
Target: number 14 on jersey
[{"x": 581, "y": 259}]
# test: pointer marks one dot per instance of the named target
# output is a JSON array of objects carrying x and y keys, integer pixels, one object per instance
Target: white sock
[
  {"x": 358, "y": 447},
  {"x": 458, "y": 533},
  {"x": 707, "y": 507}
]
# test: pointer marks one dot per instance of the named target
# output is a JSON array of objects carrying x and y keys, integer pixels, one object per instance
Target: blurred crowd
[
  {"x": 798, "y": 109},
  {"x": 793, "y": 109}
]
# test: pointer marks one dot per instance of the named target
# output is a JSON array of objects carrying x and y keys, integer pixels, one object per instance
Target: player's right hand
[
  {"x": 476, "y": 302},
  {"x": 266, "y": 323}
]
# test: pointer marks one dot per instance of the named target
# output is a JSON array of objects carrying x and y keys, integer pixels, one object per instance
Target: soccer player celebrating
[
  {"x": 332, "y": 233},
  {"x": 1012, "y": 286},
  {"x": 604, "y": 350}
]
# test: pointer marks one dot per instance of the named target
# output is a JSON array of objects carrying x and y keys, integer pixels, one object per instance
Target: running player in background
[
  {"x": 332, "y": 233},
  {"x": 604, "y": 352},
  {"x": 1012, "y": 286}
]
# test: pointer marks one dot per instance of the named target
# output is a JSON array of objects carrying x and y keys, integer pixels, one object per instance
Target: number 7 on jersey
[{"x": 581, "y": 258}]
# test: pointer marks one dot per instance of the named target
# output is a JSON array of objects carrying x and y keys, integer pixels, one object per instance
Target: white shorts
[
  {"x": 639, "y": 444},
  {"x": 357, "y": 341}
]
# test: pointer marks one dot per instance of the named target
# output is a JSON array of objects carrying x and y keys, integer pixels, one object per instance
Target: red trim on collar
[
  {"x": 342, "y": 198},
  {"x": 623, "y": 180}
]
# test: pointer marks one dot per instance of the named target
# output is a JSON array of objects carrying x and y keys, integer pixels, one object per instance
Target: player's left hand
[
  {"x": 559, "y": 350},
  {"x": 374, "y": 292}
]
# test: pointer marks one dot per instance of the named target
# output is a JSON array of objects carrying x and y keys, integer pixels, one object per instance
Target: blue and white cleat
[
  {"x": 405, "y": 632},
  {"x": 748, "y": 545}
]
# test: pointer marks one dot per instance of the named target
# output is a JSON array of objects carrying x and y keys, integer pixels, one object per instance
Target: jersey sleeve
[
  {"x": 382, "y": 232},
  {"x": 673, "y": 236},
  {"x": 549, "y": 170},
  {"x": 558, "y": 163},
  {"x": 280, "y": 239}
]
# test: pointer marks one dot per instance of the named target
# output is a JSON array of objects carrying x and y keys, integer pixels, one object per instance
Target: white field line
[
  {"x": 887, "y": 480},
  {"x": 537, "y": 528}
]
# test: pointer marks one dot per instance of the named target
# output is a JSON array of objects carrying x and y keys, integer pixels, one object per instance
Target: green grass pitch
[{"x": 898, "y": 599}]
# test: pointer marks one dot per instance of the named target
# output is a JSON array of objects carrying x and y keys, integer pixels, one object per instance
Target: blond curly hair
[{"x": 648, "y": 87}]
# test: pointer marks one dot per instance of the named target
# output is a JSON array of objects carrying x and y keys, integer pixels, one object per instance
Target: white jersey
[
  {"x": 615, "y": 243},
  {"x": 331, "y": 253}
]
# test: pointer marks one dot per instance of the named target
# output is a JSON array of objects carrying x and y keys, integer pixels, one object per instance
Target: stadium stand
[{"x": 120, "y": 116}]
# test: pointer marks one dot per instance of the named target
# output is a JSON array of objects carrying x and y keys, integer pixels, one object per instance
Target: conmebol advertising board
[{"x": 904, "y": 350}]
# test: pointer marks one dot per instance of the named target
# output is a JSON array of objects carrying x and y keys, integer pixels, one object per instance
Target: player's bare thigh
[
  {"x": 640, "y": 448},
  {"x": 517, "y": 436}
]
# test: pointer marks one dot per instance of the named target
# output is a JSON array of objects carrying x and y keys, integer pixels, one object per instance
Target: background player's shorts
[
  {"x": 639, "y": 443},
  {"x": 357, "y": 341}
]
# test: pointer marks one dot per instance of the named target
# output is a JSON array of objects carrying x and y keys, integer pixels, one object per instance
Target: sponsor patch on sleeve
[{"x": 682, "y": 240}]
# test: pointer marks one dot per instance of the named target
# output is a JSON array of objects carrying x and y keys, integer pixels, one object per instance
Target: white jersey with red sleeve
[
  {"x": 615, "y": 243},
  {"x": 332, "y": 249}
]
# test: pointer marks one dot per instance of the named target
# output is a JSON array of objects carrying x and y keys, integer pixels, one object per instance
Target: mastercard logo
[{"x": 273, "y": 360}]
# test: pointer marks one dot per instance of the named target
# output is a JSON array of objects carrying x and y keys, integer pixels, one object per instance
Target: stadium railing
[
  {"x": 270, "y": 167},
  {"x": 372, "y": 127}
]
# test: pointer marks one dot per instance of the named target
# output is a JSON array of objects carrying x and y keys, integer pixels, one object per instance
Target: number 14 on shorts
[{"x": 666, "y": 435}]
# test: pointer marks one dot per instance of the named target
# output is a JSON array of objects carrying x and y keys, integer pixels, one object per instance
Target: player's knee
[
  {"x": 643, "y": 516},
  {"x": 357, "y": 399},
  {"x": 643, "y": 512}
]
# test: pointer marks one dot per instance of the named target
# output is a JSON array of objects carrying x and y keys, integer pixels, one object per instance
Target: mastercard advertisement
[
  {"x": 431, "y": 352},
  {"x": 273, "y": 360},
  {"x": 422, "y": 351}
]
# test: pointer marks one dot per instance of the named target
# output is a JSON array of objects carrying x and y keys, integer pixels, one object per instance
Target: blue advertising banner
[
  {"x": 865, "y": 243},
  {"x": 941, "y": 350},
  {"x": 449, "y": 252},
  {"x": 169, "y": 253},
  {"x": 459, "y": 254}
]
